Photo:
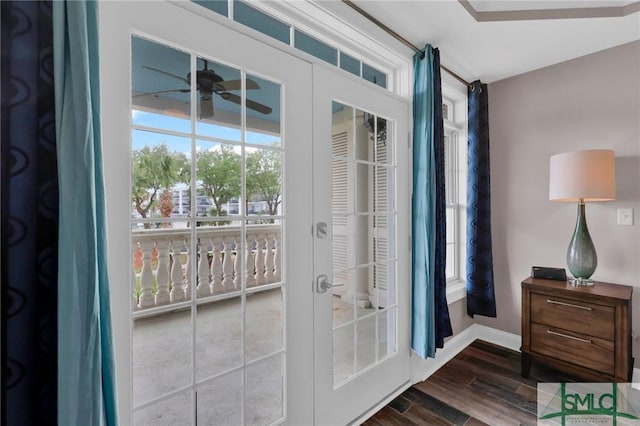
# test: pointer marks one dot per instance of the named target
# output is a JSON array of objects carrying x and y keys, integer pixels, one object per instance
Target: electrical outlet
[{"x": 625, "y": 216}]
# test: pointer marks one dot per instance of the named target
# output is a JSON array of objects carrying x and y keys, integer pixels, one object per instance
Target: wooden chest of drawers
[{"x": 585, "y": 331}]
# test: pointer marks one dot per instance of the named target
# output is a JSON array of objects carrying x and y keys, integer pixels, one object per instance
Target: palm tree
[{"x": 155, "y": 171}]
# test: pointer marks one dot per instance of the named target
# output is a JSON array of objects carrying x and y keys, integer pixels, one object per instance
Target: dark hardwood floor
[{"x": 480, "y": 386}]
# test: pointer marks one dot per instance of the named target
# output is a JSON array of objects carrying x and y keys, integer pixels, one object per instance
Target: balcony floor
[{"x": 162, "y": 360}]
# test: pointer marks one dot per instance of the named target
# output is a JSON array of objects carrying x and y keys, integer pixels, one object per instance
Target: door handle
[
  {"x": 321, "y": 230},
  {"x": 323, "y": 284}
]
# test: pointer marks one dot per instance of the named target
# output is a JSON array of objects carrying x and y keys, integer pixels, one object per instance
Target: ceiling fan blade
[
  {"x": 236, "y": 85},
  {"x": 250, "y": 84},
  {"x": 160, "y": 92},
  {"x": 206, "y": 105},
  {"x": 167, "y": 73},
  {"x": 256, "y": 106}
]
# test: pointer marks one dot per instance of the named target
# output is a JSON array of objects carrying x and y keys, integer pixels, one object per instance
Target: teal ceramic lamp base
[{"x": 581, "y": 254}]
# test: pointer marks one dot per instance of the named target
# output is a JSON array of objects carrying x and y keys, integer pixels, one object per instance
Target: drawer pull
[
  {"x": 555, "y": 302},
  {"x": 568, "y": 337}
]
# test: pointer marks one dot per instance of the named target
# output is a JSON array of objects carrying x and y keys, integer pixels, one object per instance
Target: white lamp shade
[{"x": 589, "y": 175}]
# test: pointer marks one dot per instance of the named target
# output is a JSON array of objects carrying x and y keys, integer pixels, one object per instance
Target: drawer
[
  {"x": 586, "y": 351},
  {"x": 574, "y": 315}
]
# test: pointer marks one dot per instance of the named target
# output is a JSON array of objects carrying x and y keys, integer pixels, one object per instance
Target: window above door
[{"x": 313, "y": 28}]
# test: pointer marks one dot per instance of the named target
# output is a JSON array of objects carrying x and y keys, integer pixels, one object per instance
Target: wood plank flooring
[{"x": 480, "y": 386}]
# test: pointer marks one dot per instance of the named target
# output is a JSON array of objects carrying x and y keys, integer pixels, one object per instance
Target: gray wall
[
  {"x": 458, "y": 315},
  {"x": 586, "y": 103}
]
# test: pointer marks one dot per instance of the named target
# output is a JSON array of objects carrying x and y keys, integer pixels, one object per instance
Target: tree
[
  {"x": 156, "y": 169},
  {"x": 219, "y": 174},
  {"x": 264, "y": 178}
]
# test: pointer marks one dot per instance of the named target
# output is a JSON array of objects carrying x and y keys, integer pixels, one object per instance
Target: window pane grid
[
  {"x": 451, "y": 200},
  {"x": 197, "y": 259},
  {"x": 364, "y": 257}
]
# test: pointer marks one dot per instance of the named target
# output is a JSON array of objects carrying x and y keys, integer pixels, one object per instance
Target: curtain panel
[
  {"x": 430, "y": 313},
  {"x": 29, "y": 216},
  {"x": 480, "y": 287},
  {"x": 86, "y": 376}
]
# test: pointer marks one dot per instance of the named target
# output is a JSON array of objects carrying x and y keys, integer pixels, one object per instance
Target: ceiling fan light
[{"x": 175, "y": 112}]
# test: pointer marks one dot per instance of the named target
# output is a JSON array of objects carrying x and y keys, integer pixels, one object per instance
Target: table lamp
[{"x": 582, "y": 176}]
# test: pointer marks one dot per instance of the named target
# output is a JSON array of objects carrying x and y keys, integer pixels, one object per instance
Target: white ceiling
[
  {"x": 498, "y": 5},
  {"x": 495, "y": 50}
]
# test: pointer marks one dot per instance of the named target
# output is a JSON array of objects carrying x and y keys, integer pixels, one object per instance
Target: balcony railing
[{"x": 161, "y": 257}]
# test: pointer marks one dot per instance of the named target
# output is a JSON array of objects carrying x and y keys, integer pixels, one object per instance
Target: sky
[{"x": 141, "y": 138}]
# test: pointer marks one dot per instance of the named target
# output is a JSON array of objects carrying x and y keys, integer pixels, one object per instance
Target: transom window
[{"x": 241, "y": 12}]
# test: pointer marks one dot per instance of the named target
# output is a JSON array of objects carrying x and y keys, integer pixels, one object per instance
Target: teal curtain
[
  {"x": 430, "y": 315},
  {"x": 86, "y": 376}
]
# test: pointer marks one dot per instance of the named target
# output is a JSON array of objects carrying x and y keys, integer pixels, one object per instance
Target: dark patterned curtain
[
  {"x": 443, "y": 322},
  {"x": 480, "y": 290},
  {"x": 29, "y": 216}
]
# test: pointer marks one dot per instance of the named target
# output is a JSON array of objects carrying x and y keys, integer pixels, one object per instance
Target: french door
[
  {"x": 207, "y": 167},
  {"x": 361, "y": 216},
  {"x": 220, "y": 154}
]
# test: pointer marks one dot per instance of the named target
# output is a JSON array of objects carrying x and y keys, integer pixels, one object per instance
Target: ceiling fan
[{"x": 209, "y": 82}]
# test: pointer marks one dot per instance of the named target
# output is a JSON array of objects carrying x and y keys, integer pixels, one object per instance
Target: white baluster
[
  {"x": 269, "y": 277},
  {"x": 146, "y": 276},
  {"x": 162, "y": 274},
  {"x": 237, "y": 265},
  {"x": 203, "y": 271},
  {"x": 276, "y": 258},
  {"x": 216, "y": 267},
  {"x": 260, "y": 260},
  {"x": 250, "y": 263},
  {"x": 134, "y": 297},
  {"x": 177, "y": 278},
  {"x": 227, "y": 267},
  {"x": 187, "y": 272},
  {"x": 135, "y": 271}
]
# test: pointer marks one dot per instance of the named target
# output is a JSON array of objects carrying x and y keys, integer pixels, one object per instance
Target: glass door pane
[{"x": 362, "y": 181}]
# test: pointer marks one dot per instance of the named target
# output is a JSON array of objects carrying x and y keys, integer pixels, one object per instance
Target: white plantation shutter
[
  {"x": 340, "y": 176},
  {"x": 378, "y": 242},
  {"x": 380, "y": 232},
  {"x": 340, "y": 204}
]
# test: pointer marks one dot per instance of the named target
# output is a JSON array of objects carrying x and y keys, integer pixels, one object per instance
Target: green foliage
[
  {"x": 219, "y": 174},
  {"x": 214, "y": 212},
  {"x": 155, "y": 168},
  {"x": 264, "y": 178}
]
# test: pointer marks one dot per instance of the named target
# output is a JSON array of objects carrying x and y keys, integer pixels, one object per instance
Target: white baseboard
[
  {"x": 423, "y": 368},
  {"x": 498, "y": 337}
]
